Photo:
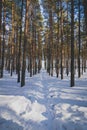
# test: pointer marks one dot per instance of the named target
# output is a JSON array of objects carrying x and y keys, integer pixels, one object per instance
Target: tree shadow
[{"x": 9, "y": 125}]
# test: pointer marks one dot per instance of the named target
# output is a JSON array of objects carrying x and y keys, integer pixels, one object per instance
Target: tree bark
[
  {"x": 3, "y": 43},
  {"x": 24, "y": 45},
  {"x": 79, "y": 40},
  {"x": 72, "y": 43},
  {"x": 0, "y": 32},
  {"x": 20, "y": 40},
  {"x": 61, "y": 41}
]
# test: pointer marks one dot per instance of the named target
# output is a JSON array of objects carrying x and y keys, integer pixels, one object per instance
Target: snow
[{"x": 45, "y": 103}]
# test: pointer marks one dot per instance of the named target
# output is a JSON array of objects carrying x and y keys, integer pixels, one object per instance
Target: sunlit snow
[{"x": 44, "y": 103}]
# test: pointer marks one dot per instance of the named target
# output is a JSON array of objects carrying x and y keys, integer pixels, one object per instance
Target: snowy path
[{"x": 45, "y": 103}]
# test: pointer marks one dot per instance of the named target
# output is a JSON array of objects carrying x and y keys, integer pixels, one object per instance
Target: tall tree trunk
[
  {"x": 39, "y": 53},
  {"x": 33, "y": 39},
  {"x": 13, "y": 33},
  {"x": 51, "y": 39},
  {"x": 3, "y": 44},
  {"x": 35, "y": 52},
  {"x": 24, "y": 45},
  {"x": 48, "y": 56},
  {"x": 72, "y": 43},
  {"x": 79, "y": 40},
  {"x": 57, "y": 46},
  {"x": 20, "y": 40},
  {"x": 67, "y": 58},
  {"x": 16, "y": 49},
  {"x": 9, "y": 54},
  {"x": 0, "y": 32},
  {"x": 61, "y": 41}
]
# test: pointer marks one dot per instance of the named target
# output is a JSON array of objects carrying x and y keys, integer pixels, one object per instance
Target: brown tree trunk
[
  {"x": 24, "y": 45},
  {"x": 51, "y": 40},
  {"x": 79, "y": 40},
  {"x": 39, "y": 54},
  {"x": 61, "y": 65},
  {"x": 20, "y": 40},
  {"x": 67, "y": 58},
  {"x": 13, "y": 33},
  {"x": 72, "y": 43},
  {"x": 57, "y": 46}
]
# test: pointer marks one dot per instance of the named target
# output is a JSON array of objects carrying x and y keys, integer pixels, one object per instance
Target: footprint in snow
[{"x": 21, "y": 114}]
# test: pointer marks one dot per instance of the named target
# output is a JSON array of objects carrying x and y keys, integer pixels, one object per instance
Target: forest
[
  {"x": 54, "y": 31},
  {"x": 43, "y": 43}
]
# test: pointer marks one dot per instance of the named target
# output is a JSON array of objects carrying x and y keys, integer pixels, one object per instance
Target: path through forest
[{"x": 45, "y": 103}]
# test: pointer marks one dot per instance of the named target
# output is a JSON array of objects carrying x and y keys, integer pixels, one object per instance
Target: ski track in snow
[{"x": 45, "y": 103}]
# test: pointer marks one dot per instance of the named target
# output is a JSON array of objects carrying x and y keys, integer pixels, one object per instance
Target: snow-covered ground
[{"x": 45, "y": 103}]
